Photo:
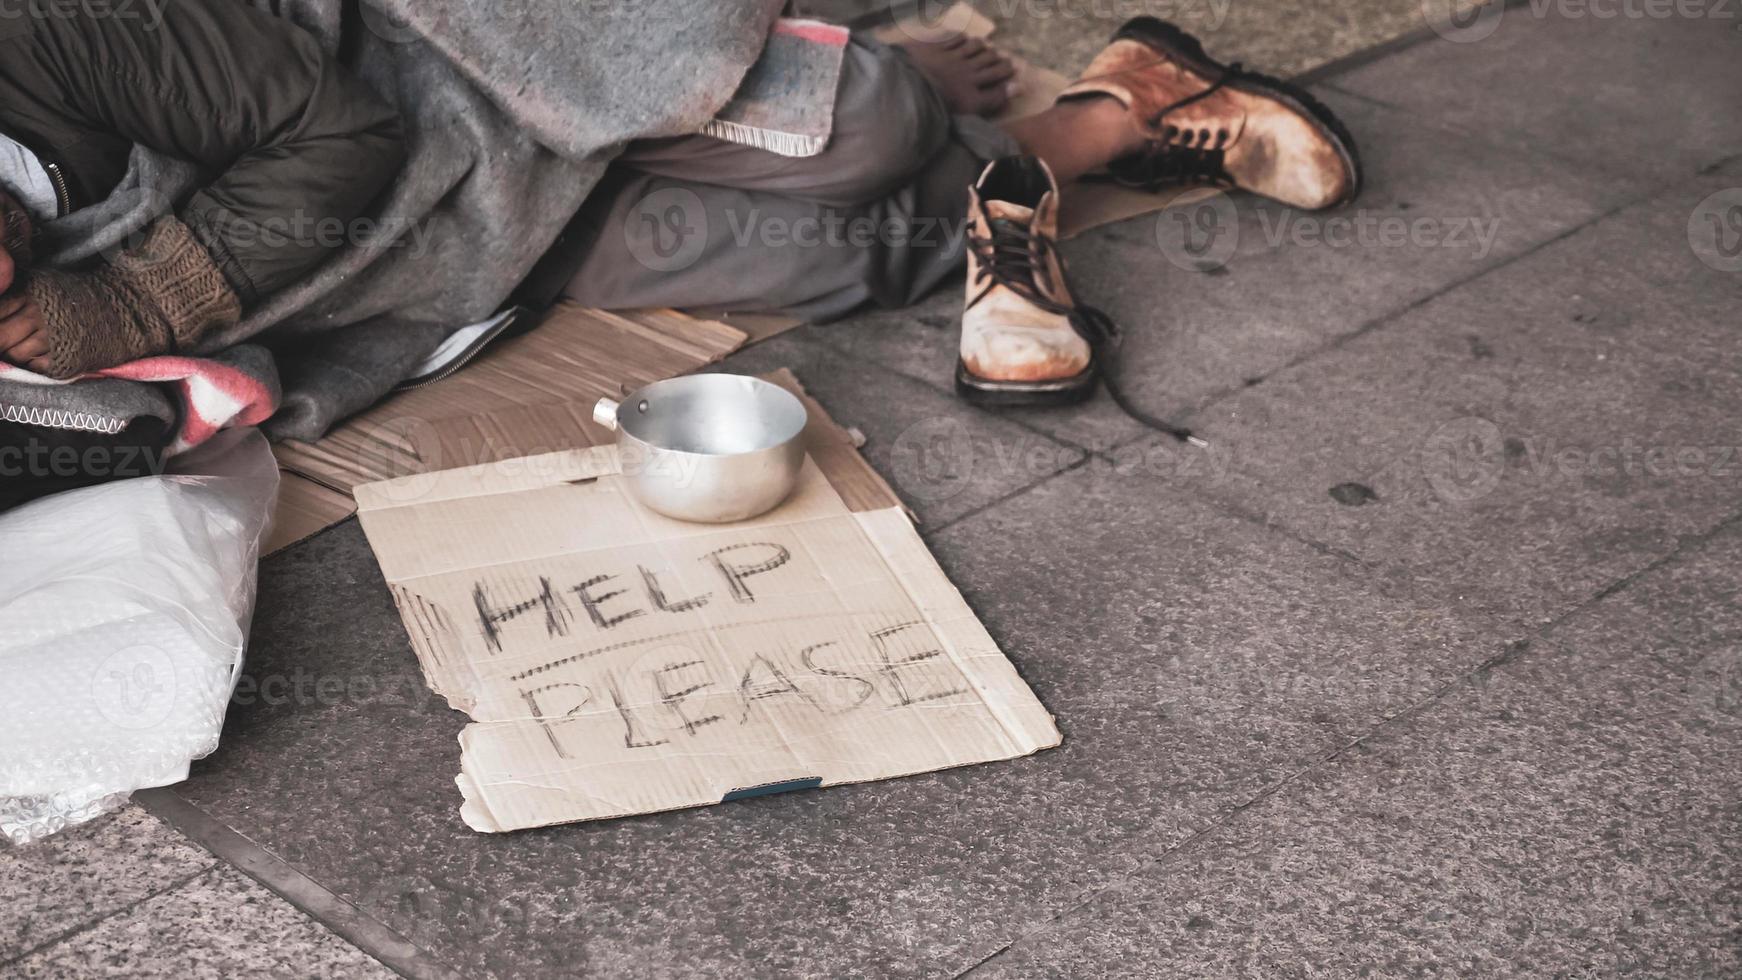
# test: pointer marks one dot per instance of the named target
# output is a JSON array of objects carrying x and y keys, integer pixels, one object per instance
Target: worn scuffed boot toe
[
  {"x": 1218, "y": 124},
  {"x": 1019, "y": 343}
]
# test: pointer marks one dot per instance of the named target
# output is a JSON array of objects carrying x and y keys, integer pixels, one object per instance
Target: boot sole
[
  {"x": 1175, "y": 42},
  {"x": 976, "y": 390}
]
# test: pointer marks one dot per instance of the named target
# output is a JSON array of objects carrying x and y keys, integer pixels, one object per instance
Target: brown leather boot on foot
[
  {"x": 1219, "y": 124},
  {"x": 1019, "y": 346}
]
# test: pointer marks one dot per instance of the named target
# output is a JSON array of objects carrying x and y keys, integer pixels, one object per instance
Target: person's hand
[{"x": 22, "y": 340}]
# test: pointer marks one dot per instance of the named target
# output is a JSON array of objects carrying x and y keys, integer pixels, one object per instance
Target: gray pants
[{"x": 877, "y": 217}]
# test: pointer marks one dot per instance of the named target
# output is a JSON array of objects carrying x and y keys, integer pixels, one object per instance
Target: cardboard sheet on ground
[
  {"x": 1083, "y": 205},
  {"x": 617, "y": 662},
  {"x": 519, "y": 397}
]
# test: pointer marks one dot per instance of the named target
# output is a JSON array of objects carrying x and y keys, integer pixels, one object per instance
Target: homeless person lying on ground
[{"x": 297, "y": 209}]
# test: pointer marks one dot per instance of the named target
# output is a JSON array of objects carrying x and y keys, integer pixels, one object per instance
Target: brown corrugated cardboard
[
  {"x": 522, "y": 396},
  {"x": 521, "y": 393},
  {"x": 616, "y": 662},
  {"x": 304, "y": 508}
]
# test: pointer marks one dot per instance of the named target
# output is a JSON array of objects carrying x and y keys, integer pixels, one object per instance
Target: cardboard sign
[{"x": 616, "y": 662}]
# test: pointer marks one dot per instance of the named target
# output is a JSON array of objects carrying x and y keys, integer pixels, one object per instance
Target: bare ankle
[{"x": 1077, "y": 136}]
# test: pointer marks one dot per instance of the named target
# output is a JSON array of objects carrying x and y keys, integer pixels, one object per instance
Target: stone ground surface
[{"x": 1432, "y": 664}]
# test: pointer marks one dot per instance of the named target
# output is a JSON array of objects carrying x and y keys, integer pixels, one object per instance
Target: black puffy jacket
[{"x": 298, "y": 146}]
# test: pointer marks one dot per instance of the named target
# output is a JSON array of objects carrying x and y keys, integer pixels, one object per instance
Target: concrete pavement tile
[
  {"x": 1642, "y": 90},
  {"x": 1575, "y": 812},
  {"x": 944, "y": 457},
  {"x": 80, "y": 875},
  {"x": 1515, "y": 445},
  {"x": 1432, "y": 215},
  {"x": 1192, "y": 659},
  {"x": 1272, "y": 284},
  {"x": 1663, "y": 275},
  {"x": 220, "y": 925},
  {"x": 922, "y": 341},
  {"x": 1066, "y": 34},
  {"x": 1146, "y": 614}
]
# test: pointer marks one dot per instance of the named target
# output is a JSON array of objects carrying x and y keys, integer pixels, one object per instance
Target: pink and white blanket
[{"x": 210, "y": 395}]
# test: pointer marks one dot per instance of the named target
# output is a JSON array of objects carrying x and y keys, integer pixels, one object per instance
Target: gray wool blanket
[{"x": 511, "y": 116}]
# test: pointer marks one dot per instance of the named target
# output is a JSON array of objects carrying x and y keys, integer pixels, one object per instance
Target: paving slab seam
[
  {"x": 1228, "y": 508},
  {"x": 1341, "y": 340},
  {"x": 1548, "y": 151},
  {"x": 306, "y": 895},
  {"x": 1184, "y": 416},
  {"x": 1336, "y": 343},
  {"x": 1512, "y": 651},
  {"x": 822, "y": 339},
  {"x": 406, "y": 958},
  {"x": 85, "y": 927},
  {"x": 1012, "y": 495},
  {"x": 1321, "y": 74}
]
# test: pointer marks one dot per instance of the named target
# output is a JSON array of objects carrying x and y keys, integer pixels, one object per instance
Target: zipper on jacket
[
  {"x": 63, "y": 200},
  {"x": 466, "y": 356}
]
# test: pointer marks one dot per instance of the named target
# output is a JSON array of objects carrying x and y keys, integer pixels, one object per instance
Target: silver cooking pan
[{"x": 708, "y": 447}]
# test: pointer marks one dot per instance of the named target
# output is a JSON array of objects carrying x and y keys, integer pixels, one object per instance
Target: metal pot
[{"x": 708, "y": 447}]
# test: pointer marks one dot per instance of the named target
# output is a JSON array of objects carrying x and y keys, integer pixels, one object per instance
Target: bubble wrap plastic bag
[{"x": 124, "y": 609}]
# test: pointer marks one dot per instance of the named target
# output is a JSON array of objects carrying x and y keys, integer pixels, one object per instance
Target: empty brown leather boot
[
  {"x": 1019, "y": 344},
  {"x": 1219, "y": 124},
  {"x": 1025, "y": 340}
]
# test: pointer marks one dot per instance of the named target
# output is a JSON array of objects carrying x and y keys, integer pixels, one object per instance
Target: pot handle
[{"x": 605, "y": 413}]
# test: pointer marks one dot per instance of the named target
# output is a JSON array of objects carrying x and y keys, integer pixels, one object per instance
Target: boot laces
[
  {"x": 1014, "y": 256},
  {"x": 1184, "y": 155}
]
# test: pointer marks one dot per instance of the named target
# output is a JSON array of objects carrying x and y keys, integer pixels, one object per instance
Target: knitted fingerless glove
[{"x": 156, "y": 297}]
